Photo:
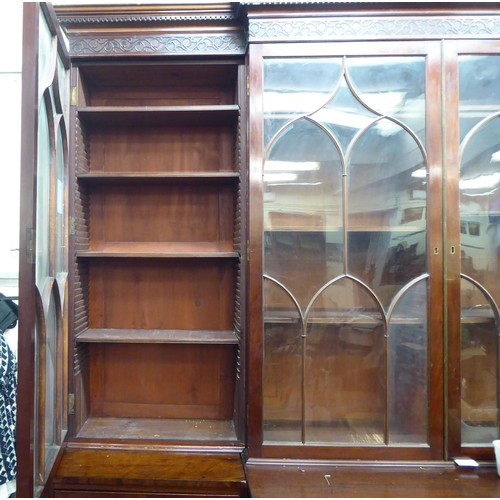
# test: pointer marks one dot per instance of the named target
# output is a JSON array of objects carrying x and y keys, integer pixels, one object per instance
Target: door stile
[
  {"x": 27, "y": 299},
  {"x": 255, "y": 268},
  {"x": 452, "y": 240},
  {"x": 435, "y": 251}
]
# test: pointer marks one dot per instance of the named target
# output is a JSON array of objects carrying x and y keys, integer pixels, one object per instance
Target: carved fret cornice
[
  {"x": 172, "y": 44},
  {"x": 373, "y": 28}
]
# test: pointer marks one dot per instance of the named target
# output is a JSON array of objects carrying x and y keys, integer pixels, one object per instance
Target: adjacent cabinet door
[
  {"x": 373, "y": 183},
  {"x": 43, "y": 272}
]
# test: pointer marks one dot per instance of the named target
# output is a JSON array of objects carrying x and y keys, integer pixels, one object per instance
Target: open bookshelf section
[
  {"x": 157, "y": 337},
  {"x": 167, "y": 381},
  {"x": 162, "y": 294},
  {"x": 156, "y": 218}
]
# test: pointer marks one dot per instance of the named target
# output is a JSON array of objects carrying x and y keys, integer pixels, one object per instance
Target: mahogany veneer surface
[
  {"x": 371, "y": 482},
  {"x": 88, "y": 471}
]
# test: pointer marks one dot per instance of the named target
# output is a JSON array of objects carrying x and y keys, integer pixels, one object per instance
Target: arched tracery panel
[
  {"x": 345, "y": 234},
  {"x": 345, "y": 366}
]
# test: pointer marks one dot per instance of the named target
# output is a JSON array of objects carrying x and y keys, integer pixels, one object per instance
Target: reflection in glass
[
  {"x": 296, "y": 87},
  {"x": 344, "y": 116},
  {"x": 282, "y": 366},
  {"x": 386, "y": 209},
  {"x": 480, "y": 207},
  {"x": 43, "y": 197},
  {"x": 479, "y": 84},
  {"x": 47, "y": 48},
  {"x": 392, "y": 86},
  {"x": 303, "y": 210},
  {"x": 408, "y": 394},
  {"x": 479, "y": 185},
  {"x": 345, "y": 367},
  {"x": 52, "y": 330},
  {"x": 479, "y": 367},
  {"x": 60, "y": 216}
]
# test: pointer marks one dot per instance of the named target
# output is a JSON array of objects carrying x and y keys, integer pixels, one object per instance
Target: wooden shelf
[
  {"x": 363, "y": 320},
  {"x": 159, "y": 115},
  {"x": 176, "y": 429},
  {"x": 170, "y": 177},
  {"x": 172, "y": 250},
  {"x": 477, "y": 315},
  {"x": 138, "y": 336}
]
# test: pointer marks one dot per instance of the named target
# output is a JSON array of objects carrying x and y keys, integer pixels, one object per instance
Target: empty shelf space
[
  {"x": 156, "y": 177},
  {"x": 139, "y": 336},
  {"x": 159, "y": 115},
  {"x": 168, "y": 429},
  {"x": 160, "y": 250}
]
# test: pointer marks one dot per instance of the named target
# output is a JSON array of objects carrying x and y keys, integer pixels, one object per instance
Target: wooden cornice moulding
[
  {"x": 176, "y": 29},
  {"x": 79, "y": 14}
]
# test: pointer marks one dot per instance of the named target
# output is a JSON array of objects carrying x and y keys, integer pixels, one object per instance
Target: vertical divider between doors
[
  {"x": 255, "y": 269},
  {"x": 451, "y": 269},
  {"x": 435, "y": 249}
]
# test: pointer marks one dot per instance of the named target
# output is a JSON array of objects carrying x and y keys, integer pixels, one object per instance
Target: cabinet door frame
[
  {"x": 257, "y": 448},
  {"x": 30, "y": 429}
]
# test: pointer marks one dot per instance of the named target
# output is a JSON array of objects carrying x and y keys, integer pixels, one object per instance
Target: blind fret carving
[
  {"x": 167, "y": 44},
  {"x": 372, "y": 28}
]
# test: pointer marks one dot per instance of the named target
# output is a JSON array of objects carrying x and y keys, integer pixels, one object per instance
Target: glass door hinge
[
  {"x": 72, "y": 226},
  {"x": 73, "y": 96}
]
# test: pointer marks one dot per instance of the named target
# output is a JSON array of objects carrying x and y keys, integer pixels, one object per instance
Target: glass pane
[
  {"x": 47, "y": 48},
  {"x": 51, "y": 439},
  {"x": 344, "y": 116},
  {"x": 296, "y": 87},
  {"x": 392, "y": 86},
  {"x": 479, "y": 83},
  {"x": 43, "y": 197},
  {"x": 282, "y": 366},
  {"x": 408, "y": 393},
  {"x": 480, "y": 207},
  {"x": 479, "y": 367},
  {"x": 303, "y": 210},
  {"x": 386, "y": 209},
  {"x": 60, "y": 217},
  {"x": 345, "y": 367}
]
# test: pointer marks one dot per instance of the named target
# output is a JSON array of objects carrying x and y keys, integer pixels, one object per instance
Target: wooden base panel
[
  {"x": 360, "y": 481},
  {"x": 136, "y": 473}
]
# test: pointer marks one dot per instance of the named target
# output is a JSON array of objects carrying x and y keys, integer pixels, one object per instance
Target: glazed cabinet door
[
  {"x": 346, "y": 280},
  {"x": 473, "y": 247},
  {"x": 43, "y": 268}
]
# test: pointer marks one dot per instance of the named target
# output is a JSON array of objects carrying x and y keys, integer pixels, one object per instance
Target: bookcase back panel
[
  {"x": 161, "y": 213},
  {"x": 162, "y": 149},
  {"x": 152, "y": 294},
  {"x": 161, "y": 96},
  {"x": 163, "y": 381},
  {"x": 157, "y": 85}
]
